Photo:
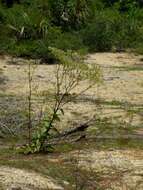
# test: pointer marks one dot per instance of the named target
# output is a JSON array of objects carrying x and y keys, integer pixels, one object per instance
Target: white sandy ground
[
  {"x": 118, "y": 85},
  {"x": 12, "y": 178},
  {"x": 128, "y": 165}
]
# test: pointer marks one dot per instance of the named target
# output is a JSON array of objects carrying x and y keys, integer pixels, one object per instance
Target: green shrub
[
  {"x": 29, "y": 28},
  {"x": 99, "y": 34},
  {"x": 112, "y": 29}
]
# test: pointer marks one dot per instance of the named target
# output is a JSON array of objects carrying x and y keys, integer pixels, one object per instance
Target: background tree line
[{"x": 29, "y": 27}]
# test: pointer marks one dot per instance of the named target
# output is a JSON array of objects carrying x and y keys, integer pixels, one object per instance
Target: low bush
[{"x": 113, "y": 29}]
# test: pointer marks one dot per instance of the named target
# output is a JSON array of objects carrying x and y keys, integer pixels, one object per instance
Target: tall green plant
[{"x": 70, "y": 72}]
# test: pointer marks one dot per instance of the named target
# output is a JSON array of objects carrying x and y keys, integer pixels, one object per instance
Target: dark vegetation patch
[{"x": 28, "y": 28}]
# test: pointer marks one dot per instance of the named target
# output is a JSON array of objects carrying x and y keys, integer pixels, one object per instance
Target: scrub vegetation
[{"x": 30, "y": 27}]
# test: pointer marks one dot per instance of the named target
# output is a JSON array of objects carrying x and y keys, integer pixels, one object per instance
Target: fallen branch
[
  {"x": 80, "y": 128},
  {"x": 71, "y": 135}
]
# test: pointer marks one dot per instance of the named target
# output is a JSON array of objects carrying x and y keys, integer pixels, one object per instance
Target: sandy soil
[
  {"x": 122, "y": 169},
  {"x": 122, "y": 85},
  {"x": 12, "y": 178},
  {"x": 119, "y": 82}
]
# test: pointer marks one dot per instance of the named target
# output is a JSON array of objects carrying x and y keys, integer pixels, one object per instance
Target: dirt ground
[
  {"x": 121, "y": 100},
  {"x": 121, "y": 89},
  {"x": 13, "y": 178}
]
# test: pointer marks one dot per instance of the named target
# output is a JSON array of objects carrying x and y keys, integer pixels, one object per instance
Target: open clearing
[
  {"x": 120, "y": 98},
  {"x": 122, "y": 85}
]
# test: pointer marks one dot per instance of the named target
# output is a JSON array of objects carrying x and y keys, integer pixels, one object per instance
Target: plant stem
[{"x": 29, "y": 102}]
